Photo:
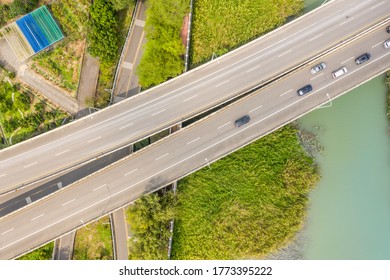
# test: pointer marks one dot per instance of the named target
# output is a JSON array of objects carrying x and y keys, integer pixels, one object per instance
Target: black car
[
  {"x": 362, "y": 58},
  {"x": 304, "y": 90},
  {"x": 388, "y": 29},
  {"x": 243, "y": 120}
]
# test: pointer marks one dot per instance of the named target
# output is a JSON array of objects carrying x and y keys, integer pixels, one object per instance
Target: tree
[
  {"x": 149, "y": 220},
  {"x": 121, "y": 4},
  {"x": 103, "y": 38}
]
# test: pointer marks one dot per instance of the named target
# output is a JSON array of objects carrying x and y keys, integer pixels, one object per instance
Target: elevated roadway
[
  {"x": 191, "y": 148},
  {"x": 190, "y": 94}
]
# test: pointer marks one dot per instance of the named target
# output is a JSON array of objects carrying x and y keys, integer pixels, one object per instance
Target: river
[{"x": 349, "y": 208}]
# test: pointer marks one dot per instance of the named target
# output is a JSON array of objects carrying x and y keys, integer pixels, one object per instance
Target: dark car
[
  {"x": 388, "y": 29},
  {"x": 317, "y": 68},
  {"x": 362, "y": 58},
  {"x": 304, "y": 90},
  {"x": 243, "y": 120}
]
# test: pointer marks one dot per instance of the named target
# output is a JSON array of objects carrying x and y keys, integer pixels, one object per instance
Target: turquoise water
[{"x": 350, "y": 207}]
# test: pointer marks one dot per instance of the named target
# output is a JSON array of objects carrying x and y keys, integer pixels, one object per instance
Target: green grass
[
  {"x": 93, "y": 242},
  {"x": 43, "y": 253},
  {"x": 248, "y": 204},
  {"x": 219, "y": 26},
  {"x": 23, "y": 114}
]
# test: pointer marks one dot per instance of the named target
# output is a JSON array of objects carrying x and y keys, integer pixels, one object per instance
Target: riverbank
[{"x": 387, "y": 83}]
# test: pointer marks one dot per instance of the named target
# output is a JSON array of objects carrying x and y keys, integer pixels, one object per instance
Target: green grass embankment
[
  {"x": 248, "y": 204},
  {"x": 221, "y": 25}
]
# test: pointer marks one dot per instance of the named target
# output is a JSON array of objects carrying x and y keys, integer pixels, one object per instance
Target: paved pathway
[
  {"x": 127, "y": 82},
  {"x": 55, "y": 94},
  {"x": 88, "y": 79},
  {"x": 64, "y": 248},
  {"x": 119, "y": 230}
]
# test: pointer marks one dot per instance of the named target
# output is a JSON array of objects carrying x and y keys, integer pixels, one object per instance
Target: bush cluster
[
  {"x": 163, "y": 55},
  {"x": 16, "y": 8}
]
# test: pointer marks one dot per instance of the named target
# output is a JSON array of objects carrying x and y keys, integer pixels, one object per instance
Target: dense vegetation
[
  {"x": 93, "y": 241},
  {"x": 22, "y": 114},
  {"x": 15, "y": 9},
  {"x": 43, "y": 253},
  {"x": 162, "y": 58},
  {"x": 248, "y": 204},
  {"x": 149, "y": 219},
  {"x": 219, "y": 26}
]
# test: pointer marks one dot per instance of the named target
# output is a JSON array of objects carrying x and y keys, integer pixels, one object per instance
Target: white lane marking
[
  {"x": 254, "y": 109},
  {"x": 258, "y": 66},
  {"x": 380, "y": 43},
  {"x": 286, "y": 92},
  {"x": 70, "y": 201},
  {"x": 158, "y": 112},
  {"x": 102, "y": 186},
  {"x": 346, "y": 60},
  {"x": 192, "y": 141},
  {"x": 28, "y": 200},
  {"x": 346, "y": 21},
  {"x": 127, "y": 125},
  {"x": 7, "y": 231},
  {"x": 319, "y": 75},
  {"x": 284, "y": 53},
  {"x": 37, "y": 217},
  {"x": 224, "y": 125},
  {"x": 30, "y": 164},
  {"x": 224, "y": 82},
  {"x": 373, "y": 7},
  {"x": 162, "y": 156},
  {"x": 97, "y": 138},
  {"x": 316, "y": 37},
  {"x": 189, "y": 98},
  {"x": 132, "y": 171},
  {"x": 63, "y": 152},
  {"x": 2, "y": 175}
]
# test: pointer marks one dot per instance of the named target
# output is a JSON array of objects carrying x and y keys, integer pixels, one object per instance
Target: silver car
[
  {"x": 386, "y": 44},
  {"x": 317, "y": 68}
]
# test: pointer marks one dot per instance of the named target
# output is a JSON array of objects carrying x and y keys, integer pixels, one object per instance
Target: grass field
[
  {"x": 248, "y": 204},
  {"x": 43, "y": 253},
  {"x": 93, "y": 242},
  {"x": 219, "y": 26}
]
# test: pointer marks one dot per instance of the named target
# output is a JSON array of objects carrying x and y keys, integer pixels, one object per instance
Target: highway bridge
[
  {"x": 190, "y": 94},
  {"x": 194, "y": 147}
]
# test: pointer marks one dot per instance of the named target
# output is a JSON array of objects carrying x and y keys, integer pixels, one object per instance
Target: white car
[
  {"x": 318, "y": 68},
  {"x": 386, "y": 44}
]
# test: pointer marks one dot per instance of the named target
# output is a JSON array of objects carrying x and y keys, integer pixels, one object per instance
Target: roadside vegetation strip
[
  {"x": 149, "y": 219},
  {"x": 220, "y": 26},
  {"x": 93, "y": 241},
  {"x": 387, "y": 83},
  {"x": 248, "y": 204},
  {"x": 163, "y": 55},
  {"x": 43, "y": 253}
]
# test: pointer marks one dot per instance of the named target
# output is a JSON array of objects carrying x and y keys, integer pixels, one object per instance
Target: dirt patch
[
  {"x": 184, "y": 30},
  {"x": 6, "y": 1}
]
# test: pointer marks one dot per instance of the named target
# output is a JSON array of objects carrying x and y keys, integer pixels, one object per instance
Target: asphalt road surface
[
  {"x": 191, "y": 148},
  {"x": 194, "y": 92}
]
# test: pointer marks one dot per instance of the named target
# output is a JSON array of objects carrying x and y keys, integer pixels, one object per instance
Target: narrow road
[
  {"x": 127, "y": 80},
  {"x": 119, "y": 230}
]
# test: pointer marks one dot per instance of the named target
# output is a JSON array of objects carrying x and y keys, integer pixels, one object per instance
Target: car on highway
[
  {"x": 317, "y": 68},
  {"x": 241, "y": 121},
  {"x": 386, "y": 44},
  {"x": 388, "y": 29},
  {"x": 304, "y": 90},
  {"x": 339, "y": 72},
  {"x": 362, "y": 58}
]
